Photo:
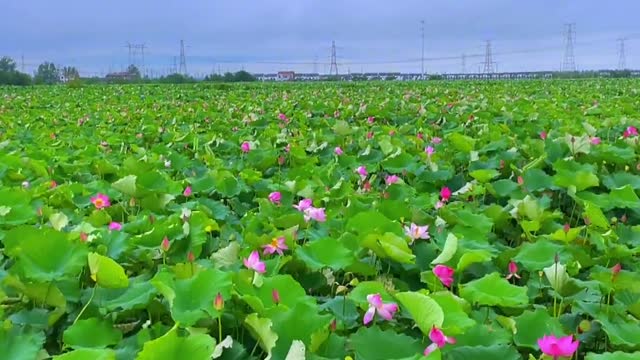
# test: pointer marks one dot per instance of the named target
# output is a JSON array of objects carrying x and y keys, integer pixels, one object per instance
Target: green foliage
[{"x": 164, "y": 273}]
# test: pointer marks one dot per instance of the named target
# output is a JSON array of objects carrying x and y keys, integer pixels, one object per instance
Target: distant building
[
  {"x": 286, "y": 75},
  {"x": 124, "y": 75}
]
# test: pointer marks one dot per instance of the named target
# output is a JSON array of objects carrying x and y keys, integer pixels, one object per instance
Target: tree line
[{"x": 48, "y": 73}]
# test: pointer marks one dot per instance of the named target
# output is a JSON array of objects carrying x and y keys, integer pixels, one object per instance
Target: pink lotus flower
[
  {"x": 287, "y": 148},
  {"x": 218, "y": 302},
  {"x": 429, "y": 150},
  {"x": 275, "y": 197},
  {"x": 391, "y": 179},
  {"x": 371, "y": 119},
  {"x": 187, "y": 191},
  {"x": 115, "y": 226},
  {"x": 445, "y": 194},
  {"x": 338, "y": 151},
  {"x": 630, "y": 131},
  {"x": 245, "y": 147},
  {"x": 362, "y": 171},
  {"x": 513, "y": 270},
  {"x": 557, "y": 347},
  {"x": 366, "y": 187},
  {"x": 276, "y": 245},
  {"x": 444, "y": 273},
  {"x": 543, "y": 135},
  {"x": 275, "y": 295},
  {"x": 436, "y": 140},
  {"x": 369, "y": 134},
  {"x": 420, "y": 136},
  {"x": 281, "y": 160},
  {"x": 386, "y": 311},
  {"x": 100, "y": 201},
  {"x": 165, "y": 245},
  {"x": 253, "y": 262},
  {"x": 417, "y": 232},
  {"x": 392, "y": 132},
  {"x": 304, "y": 204},
  {"x": 439, "y": 204},
  {"x": 595, "y": 141},
  {"x": 316, "y": 214},
  {"x": 283, "y": 117},
  {"x": 438, "y": 340},
  {"x": 53, "y": 184}
]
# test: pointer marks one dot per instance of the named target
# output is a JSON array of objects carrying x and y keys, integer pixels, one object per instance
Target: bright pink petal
[
  {"x": 437, "y": 336},
  {"x": 368, "y": 316},
  {"x": 386, "y": 311},
  {"x": 375, "y": 300}
]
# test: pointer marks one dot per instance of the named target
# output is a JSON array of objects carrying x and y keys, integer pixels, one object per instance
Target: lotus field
[{"x": 372, "y": 221}]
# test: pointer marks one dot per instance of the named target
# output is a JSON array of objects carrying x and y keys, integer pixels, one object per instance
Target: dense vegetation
[{"x": 372, "y": 221}]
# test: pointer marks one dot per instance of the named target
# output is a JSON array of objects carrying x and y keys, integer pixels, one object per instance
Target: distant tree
[
  {"x": 9, "y": 75},
  {"x": 228, "y": 77},
  {"x": 214, "y": 78},
  {"x": 69, "y": 73},
  {"x": 176, "y": 79},
  {"x": 134, "y": 72},
  {"x": 47, "y": 73},
  {"x": 243, "y": 76},
  {"x": 7, "y": 64}
]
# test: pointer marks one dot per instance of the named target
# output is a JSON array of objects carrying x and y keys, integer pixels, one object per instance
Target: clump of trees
[
  {"x": 240, "y": 76},
  {"x": 9, "y": 74}
]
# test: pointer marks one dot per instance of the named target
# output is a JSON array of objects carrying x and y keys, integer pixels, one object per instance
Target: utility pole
[
  {"x": 183, "y": 59},
  {"x": 488, "y": 59},
  {"x": 334, "y": 65},
  {"x": 622, "y": 57},
  {"x": 22, "y": 63},
  {"x": 422, "y": 57},
  {"x": 315, "y": 64},
  {"x": 464, "y": 63},
  {"x": 569, "y": 60}
]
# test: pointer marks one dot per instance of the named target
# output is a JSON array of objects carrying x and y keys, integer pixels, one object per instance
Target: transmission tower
[
  {"x": 622, "y": 57},
  {"x": 333, "y": 69},
  {"x": 464, "y": 63},
  {"x": 22, "y": 62},
  {"x": 136, "y": 55},
  {"x": 422, "y": 57},
  {"x": 183, "y": 59},
  {"x": 488, "y": 65},
  {"x": 315, "y": 64},
  {"x": 569, "y": 60}
]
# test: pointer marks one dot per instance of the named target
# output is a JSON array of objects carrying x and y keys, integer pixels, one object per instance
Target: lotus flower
[
  {"x": 557, "y": 347},
  {"x": 218, "y": 302},
  {"x": 276, "y": 245},
  {"x": 438, "y": 340},
  {"x": 275, "y": 295},
  {"x": 287, "y": 148},
  {"x": 369, "y": 134},
  {"x": 371, "y": 119},
  {"x": 275, "y": 197},
  {"x": 439, "y": 204},
  {"x": 100, "y": 201},
  {"x": 445, "y": 194},
  {"x": 362, "y": 171},
  {"x": 338, "y": 151},
  {"x": 191, "y": 257},
  {"x": 595, "y": 140},
  {"x": 444, "y": 273},
  {"x": 543, "y": 135},
  {"x": 391, "y": 179},
  {"x": 429, "y": 150},
  {"x": 165, "y": 245},
  {"x": 253, "y": 262},
  {"x": 304, "y": 204},
  {"x": 26, "y": 184},
  {"x": 513, "y": 270},
  {"x": 283, "y": 117},
  {"x": 417, "y": 232},
  {"x": 630, "y": 131},
  {"x": 167, "y": 163},
  {"x": 316, "y": 214},
  {"x": 53, "y": 184},
  {"x": 245, "y": 147},
  {"x": 115, "y": 226},
  {"x": 386, "y": 311},
  {"x": 187, "y": 191},
  {"x": 436, "y": 140},
  {"x": 420, "y": 136}
]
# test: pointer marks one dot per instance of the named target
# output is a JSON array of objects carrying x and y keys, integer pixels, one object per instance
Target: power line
[
  {"x": 622, "y": 58},
  {"x": 488, "y": 67},
  {"x": 334, "y": 65},
  {"x": 183, "y": 59},
  {"x": 422, "y": 57},
  {"x": 569, "y": 60}
]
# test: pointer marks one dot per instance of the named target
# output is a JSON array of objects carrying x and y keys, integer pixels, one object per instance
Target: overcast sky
[{"x": 371, "y": 35}]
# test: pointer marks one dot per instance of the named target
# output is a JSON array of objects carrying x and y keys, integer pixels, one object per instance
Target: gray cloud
[{"x": 241, "y": 33}]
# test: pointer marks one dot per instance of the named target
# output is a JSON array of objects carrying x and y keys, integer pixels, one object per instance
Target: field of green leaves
[{"x": 377, "y": 221}]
